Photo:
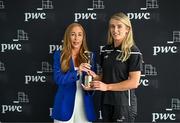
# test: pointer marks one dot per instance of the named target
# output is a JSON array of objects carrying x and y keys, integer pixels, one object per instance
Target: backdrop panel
[{"x": 31, "y": 30}]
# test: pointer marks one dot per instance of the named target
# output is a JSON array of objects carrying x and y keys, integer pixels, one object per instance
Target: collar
[{"x": 115, "y": 48}]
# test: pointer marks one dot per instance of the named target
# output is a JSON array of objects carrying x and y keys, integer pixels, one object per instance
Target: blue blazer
[{"x": 65, "y": 95}]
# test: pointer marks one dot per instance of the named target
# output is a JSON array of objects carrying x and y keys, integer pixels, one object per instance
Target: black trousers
[{"x": 118, "y": 114}]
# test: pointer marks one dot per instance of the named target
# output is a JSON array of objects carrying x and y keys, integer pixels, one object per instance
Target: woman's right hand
[
  {"x": 87, "y": 68},
  {"x": 84, "y": 67}
]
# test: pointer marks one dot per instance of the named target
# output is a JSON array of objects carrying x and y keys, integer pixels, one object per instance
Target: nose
[
  {"x": 75, "y": 37},
  {"x": 115, "y": 29}
]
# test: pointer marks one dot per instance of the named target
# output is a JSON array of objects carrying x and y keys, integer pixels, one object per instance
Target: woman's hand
[
  {"x": 87, "y": 88},
  {"x": 92, "y": 73},
  {"x": 87, "y": 68},
  {"x": 98, "y": 85},
  {"x": 84, "y": 67}
]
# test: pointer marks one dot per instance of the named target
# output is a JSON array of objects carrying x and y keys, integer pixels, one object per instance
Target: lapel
[{"x": 71, "y": 65}]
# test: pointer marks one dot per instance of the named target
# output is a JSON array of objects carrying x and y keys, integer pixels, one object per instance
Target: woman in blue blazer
[{"x": 72, "y": 104}]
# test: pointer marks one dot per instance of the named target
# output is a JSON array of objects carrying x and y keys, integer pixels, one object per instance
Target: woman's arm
[
  {"x": 60, "y": 77},
  {"x": 131, "y": 83}
]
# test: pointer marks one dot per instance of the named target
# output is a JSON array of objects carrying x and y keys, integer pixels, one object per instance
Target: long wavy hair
[
  {"x": 128, "y": 42},
  {"x": 67, "y": 48}
]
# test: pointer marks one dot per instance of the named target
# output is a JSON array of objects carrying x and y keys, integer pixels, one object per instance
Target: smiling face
[
  {"x": 118, "y": 30},
  {"x": 76, "y": 37}
]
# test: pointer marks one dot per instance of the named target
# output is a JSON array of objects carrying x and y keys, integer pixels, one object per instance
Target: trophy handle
[{"x": 88, "y": 56}]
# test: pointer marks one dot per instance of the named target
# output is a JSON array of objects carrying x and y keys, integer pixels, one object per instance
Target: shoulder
[
  {"x": 57, "y": 53},
  {"x": 106, "y": 48},
  {"x": 135, "y": 50}
]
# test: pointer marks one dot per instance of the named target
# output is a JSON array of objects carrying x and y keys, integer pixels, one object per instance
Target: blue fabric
[{"x": 65, "y": 96}]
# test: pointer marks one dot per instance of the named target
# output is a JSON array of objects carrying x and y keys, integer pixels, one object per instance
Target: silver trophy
[{"x": 89, "y": 57}]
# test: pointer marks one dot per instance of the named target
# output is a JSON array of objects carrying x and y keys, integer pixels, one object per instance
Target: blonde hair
[
  {"x": 128, "y": 42},
  {"x": 67, "y": 48}
]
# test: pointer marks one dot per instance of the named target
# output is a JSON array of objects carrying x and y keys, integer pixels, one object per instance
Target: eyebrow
[
  {"x": 78, "y": 32},
  {"x": 116, "y": 24}
]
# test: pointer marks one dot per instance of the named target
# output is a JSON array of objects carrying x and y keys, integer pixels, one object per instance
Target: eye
[
  {"x": 72, "y": 34},
  {"x": 119, "y": 26},
  {"x": 79, "y": 34},
  {"x": 112, "y": 26}
]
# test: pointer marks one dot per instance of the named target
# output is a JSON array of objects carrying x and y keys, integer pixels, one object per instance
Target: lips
[
  {"x": 76, "y": 43},
  {"x": 116, "y": 34}
]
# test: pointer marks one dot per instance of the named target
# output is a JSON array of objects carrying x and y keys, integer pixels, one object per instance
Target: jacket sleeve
[{"x": 60, "y": 77}]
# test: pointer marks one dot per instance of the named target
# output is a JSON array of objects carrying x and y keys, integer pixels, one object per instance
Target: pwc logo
[
  {"x": 171, "y": 48},
  {"x": 11, "y": 108},
  {"x": 21, "y": 36},
  {"x": 139, "y": 16},
  {"x": 171, "y": 113},
  {"x": 34, "y": 16},
  {"x": 17, "y": 104},
  {"x": 96, "y": 4},
  {"x": 163, "y": 117},
  {"x": 53, "y": 47},
  {"x": 144, "y": 13},
  {"x": 39, "y": 78},
  {"x": 46, "y": 5},
  {"x": 84, "y": 16},
  {"x": 148, "y": 76}
]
